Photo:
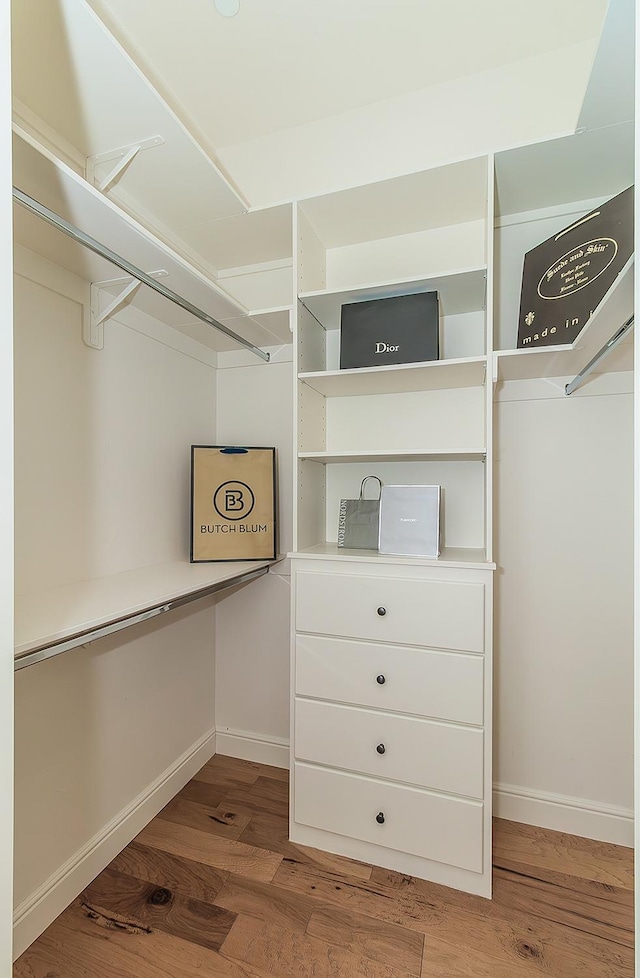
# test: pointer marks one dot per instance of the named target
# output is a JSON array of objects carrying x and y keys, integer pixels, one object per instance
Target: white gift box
[{"x": 410, "y": 521}]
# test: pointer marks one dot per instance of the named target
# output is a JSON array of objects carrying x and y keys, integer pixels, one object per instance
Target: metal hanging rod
[
  {"x": 99, "y": 249},
  {"x": 85, "y": 638},
  {"x": 617, "y": 337}
]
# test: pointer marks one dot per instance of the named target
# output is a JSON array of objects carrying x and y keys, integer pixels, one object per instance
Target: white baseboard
[
  {"x": 578, "y": 816},
  {"x": 253, "y": 747},
  {"x": 35, "y": 913}
]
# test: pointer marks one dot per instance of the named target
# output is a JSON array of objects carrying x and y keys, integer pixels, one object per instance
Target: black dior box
[
  {"x": 566, "y": 277},
  {"x": 397, "y": 329}
]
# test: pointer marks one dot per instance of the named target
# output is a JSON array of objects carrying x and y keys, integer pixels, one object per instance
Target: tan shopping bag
[{"x": 233, "y": 503}]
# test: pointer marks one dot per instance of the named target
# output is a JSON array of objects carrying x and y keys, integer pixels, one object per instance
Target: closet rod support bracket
[
  {"x": 95, "y": 317},
  {"x": 603, "y": 352},
  {"x": 98, "y": 248},
  {"x": 121, "y": 158}
]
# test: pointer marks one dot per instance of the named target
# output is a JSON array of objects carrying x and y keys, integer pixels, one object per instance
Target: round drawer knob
[
  {"x": 382, "y": 611},
  {"x": 380, "y": 680},
  {"x": 380, "y": 818},
  {"x": 381, "y": 748}
]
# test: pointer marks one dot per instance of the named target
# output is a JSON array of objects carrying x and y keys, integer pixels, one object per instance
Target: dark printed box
[
  {"x": 566, "y": 277},
  {"x": 397, "y": 329}
]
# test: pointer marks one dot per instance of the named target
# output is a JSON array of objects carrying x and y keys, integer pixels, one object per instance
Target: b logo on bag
[{"x": 233, "y": 500}]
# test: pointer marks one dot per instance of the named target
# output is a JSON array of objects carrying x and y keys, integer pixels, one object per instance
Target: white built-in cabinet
[
  {"x": 391, "y": 676},
  {"x": 391, "y": 661}
]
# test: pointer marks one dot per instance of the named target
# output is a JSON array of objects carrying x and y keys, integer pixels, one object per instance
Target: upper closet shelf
[
  {"x": 76, "y": 84},
  {"x": 431, "y": 375},
  {"x": 53, "y": 621},
  {"x": 459, "y": 292},
  {"x": 41, "y": 176},
  {"x": 566, "y": 360}
]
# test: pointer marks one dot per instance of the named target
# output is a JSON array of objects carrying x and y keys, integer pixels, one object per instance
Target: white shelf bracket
[
  {"x": 494, "y": 368},
  {"x": 95, "y": 317},
  {"x": 121, "y": 158}
]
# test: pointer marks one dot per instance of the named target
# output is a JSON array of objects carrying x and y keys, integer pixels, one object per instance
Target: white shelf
[
  {"x": 90, "y": 118},
  {"x": 593, "y": 164},
  {"x": 459, "y": 291},
  {"x": 441, "y": 196},
  {"x": 75, "y": 78},
  {"x": 329, "y": 458},
  {"x": 40, "y": 175},
  {"x": 567, "y": 360},
  {"x": 431, "y": 375},
  {"x": 468, "y": 557},
  {"x": 50, "y": 617}
]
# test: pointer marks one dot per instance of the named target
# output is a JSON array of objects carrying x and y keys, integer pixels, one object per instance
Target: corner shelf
[
  {"x": 329, "y": 458},
  {"x": 568, "y": 359},
  {"x": 402, "y": 378}
]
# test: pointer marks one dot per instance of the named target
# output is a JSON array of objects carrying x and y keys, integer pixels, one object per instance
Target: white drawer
[
  {"x": 447, "y": 830},
  {"x": 441, "y": 685},
  {"x": 405, "y": 611},
  {"x": 420, "y": 752}
]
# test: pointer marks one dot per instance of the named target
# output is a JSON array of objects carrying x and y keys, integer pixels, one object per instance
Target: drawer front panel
[
  {"x": 440, "y": 614},
  {"x": 447, "y": 830},
  {"x": 420, "y": 752},
  {"x": 441, "y": 685}
]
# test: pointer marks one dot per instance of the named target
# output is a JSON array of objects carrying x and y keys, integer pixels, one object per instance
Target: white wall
[
  {"x": 252, "y": 626},
  {"x": 6, "y": 501},
  {"x": 522, "y": 102},
  {"x": 102, "y": 448},
  {"x": 564, "y": 606},
  {"x": 104, "y": 735}
]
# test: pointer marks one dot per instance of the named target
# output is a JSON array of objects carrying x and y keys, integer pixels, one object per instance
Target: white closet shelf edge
[
  {"x": 468, "y": 557},
  {"x": 45, "y": 618},
  {"x": 399, "y": 378},
  {"x": 567, "y": 359},
  {"x": 462, "y": 455}
]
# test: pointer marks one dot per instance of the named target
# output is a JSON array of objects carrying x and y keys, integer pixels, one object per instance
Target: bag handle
[{"x": 366, "y": 478}]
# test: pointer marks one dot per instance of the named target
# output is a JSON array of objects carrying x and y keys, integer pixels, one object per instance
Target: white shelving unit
[
  {"x": 430, "y": 229},
  {"x": 416, "y": 423}
]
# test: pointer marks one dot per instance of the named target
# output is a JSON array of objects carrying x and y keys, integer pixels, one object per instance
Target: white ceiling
[{"x": 279, "y": 64}]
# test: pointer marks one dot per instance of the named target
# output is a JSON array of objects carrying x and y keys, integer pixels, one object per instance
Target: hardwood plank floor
[{"x": 213, "y": 887}]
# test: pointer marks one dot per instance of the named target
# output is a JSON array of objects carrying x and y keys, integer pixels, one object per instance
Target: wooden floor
[{"x": 213, "y": 888}]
